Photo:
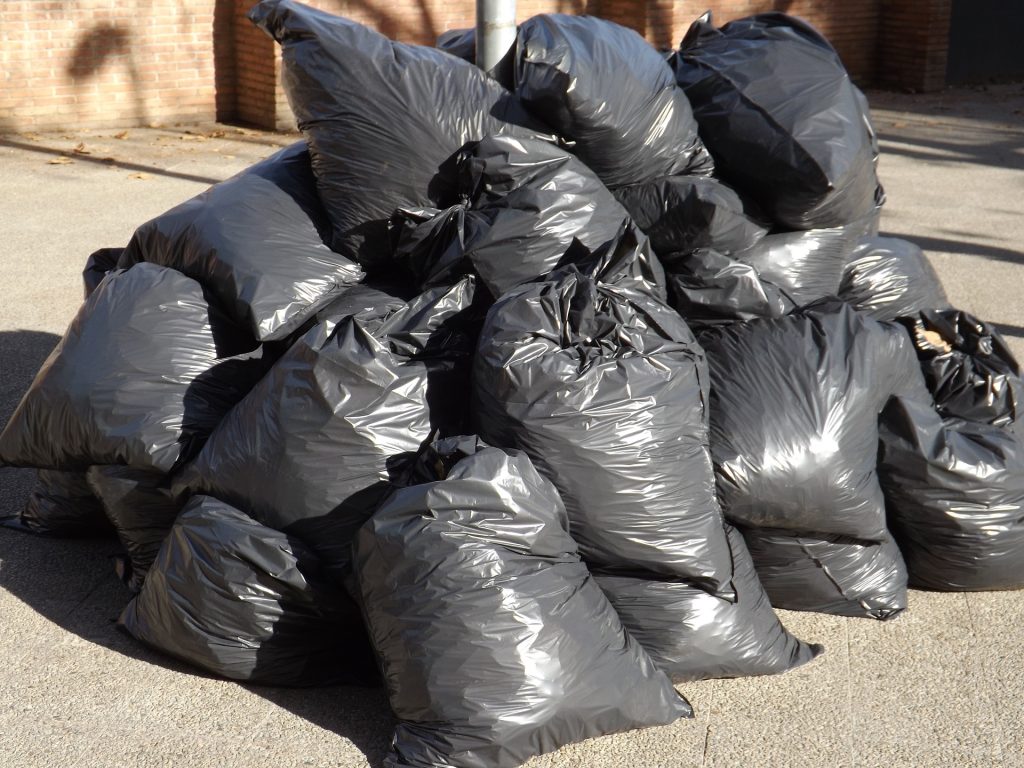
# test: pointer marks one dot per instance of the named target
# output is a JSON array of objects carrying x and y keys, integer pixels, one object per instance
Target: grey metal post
[{"x": 495, "y": 31}]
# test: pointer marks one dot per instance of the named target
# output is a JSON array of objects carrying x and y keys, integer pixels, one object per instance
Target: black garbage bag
[
  {"x": 142, "y": 510},
  {"x": 682, "y": 214},
  {"x": 709, "y": 288},
  {"x": 243, "y": 601},
  {"x": 954, "y": 491},
  {"x": 256, "y": 243},
  {"x": 605, "y": 389},
  {"x": 97, "y": 266},
  {"x": 692, "y": 635},
  {"x": 794, "y": 427},
  {"x": 495, "y": 642},
  {"x": 830, "y": 574},
  {"x": 459, "y": 42},
  {"x": 306, "y": 451},
  {"x": 781, "y": 118},
  {"x": 968, "y": 368},
  {"x": 61, "y": 505},
  {"x": 890, "y": 278},
  {"x": 382, "y": 119},
  {"x": 144, "y": 372},
  {"x": 603, "y": 87}
]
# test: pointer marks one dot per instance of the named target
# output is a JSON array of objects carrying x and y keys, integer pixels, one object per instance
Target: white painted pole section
[{"x": 495, "y": 31}]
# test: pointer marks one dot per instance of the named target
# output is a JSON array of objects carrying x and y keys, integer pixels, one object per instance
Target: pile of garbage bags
[{"x": 529, "y": 397}]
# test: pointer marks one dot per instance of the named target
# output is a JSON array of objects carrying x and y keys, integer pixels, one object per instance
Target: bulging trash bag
[
  {"x": 709, "y": 288},
  {"x": 246, "y": 602},
  {"x": 143, "y": 374},
  {"x": 692, "y": 635},
  {"x": 495, "y": 642},
  {"x": 256, "y": 243},
  {"x": 829, "y": 574},
  {"x": 889, "y": 278},
  {"x": 61, "y": 505},
  {"x": 306, "y": 451},
  {"x": 605, "y": 88},
  {"x": 954, "y": 490},
  {"x": 606, "y": 389},
  {"x": 781, "y": 118},
  {"x": 968, "y": 369},
  {"x": 97, "y": 266},
  {"x": 794, "y": 412},
  {"x": 382, "y": 119},
  {"x": 794, "y": 431},
  {"x": 142, "y": 510},
  {"x": 684, "y": 213}
]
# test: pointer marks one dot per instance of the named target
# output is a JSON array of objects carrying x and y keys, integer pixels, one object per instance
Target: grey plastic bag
[
  {"x": 606, "y": 388},
  {"x": 243, "y": 601},
  {"x": 495, "y": 642},
  {"x": 692, "y": 635},
  {"x": 97, "y": 266},
  {"x": 256, "y": 243},
  {"x": 782, "y": 119},
  {"x": 143, "y": 374},
  {"x": 61, "y": 505},
  {"x": 890, "y": 278},
  {"x": 142, "y": 510},
  {"x": 306, "y": 451},
  {"x": 603, "y": 87},
  {"x": 383, "y": 119}
]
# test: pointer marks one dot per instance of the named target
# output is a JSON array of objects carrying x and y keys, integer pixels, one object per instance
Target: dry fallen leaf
[
  {"x": 192, "y": 137},
  {"x": 32, "y": 136},
  {"x": 899, "y": 124},
  {"x": 122, "y": 135},
  {"x": 80, "y": 149},
  {"x": 140, "y": 176},
  {"x": 215, "y": 135},
  {"x": 60, "y": 160},
  {"x": 937, "y": 341}
]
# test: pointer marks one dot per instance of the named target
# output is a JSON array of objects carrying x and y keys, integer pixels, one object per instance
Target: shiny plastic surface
[
  {"x": 829, "y": 574},
  {"x": 141, "y": 377},
  {"x": 306, "y": 451},
  {"x": 256, "y": 243},
  {"x": 890, "y": 278},
  {"x": 683, "y": 213},
  {"x": 495, "y": 642},
  {"x": 383, "y": 119},
  {"x": 142, "y": 510},
  {"x": 605, "y": 89},
  {"x": 245, "y": 602},
  {"x": 955, "y": 495},
  {"x": 968, "y": 369},
  {"x": 692, "y": 635},
  {"x": 606, "y": 390},
  {"x": 781, "y": 118}
]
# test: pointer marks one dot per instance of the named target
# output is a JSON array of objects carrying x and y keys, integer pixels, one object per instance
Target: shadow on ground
[{"x": 71, "y": 582}]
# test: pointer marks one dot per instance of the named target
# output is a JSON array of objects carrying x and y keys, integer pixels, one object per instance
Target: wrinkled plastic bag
[
  {"x": 61, "y": 505},
  {"x": 692, "y": 635},
  {"x": 781, "y": 118},
  {"x": 829, "y": 574},
  {"x": 890, "y": 278},
  {"x": 142, "y": 510},
  {"x": 97, "y": 266},
  {"x": 306, "y": 451},
  {"x": 143, "y": 374},
  {"x": 968, "y": 368},
  {"x": 954, "y": 491},
  {"x": 245, "y": 602},
  {"x": 495, "y": 642},
  {"x": 606, "y": 389},
  {"x": 684, "y": 213},
  {"x": 256, "y": 243},
  {"x": 603, "y": 87},
  {"x": 383, "y": 119}
]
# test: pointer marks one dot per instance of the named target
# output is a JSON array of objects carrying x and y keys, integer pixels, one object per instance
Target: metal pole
[{"x": 495, "y": 31}]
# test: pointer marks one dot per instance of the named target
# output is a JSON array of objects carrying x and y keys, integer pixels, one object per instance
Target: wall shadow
[
  {"x": 96, "y": 48},
  {"x": 958, "y": 246}
]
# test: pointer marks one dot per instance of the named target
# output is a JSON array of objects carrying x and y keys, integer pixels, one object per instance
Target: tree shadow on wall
[{"x": 98, "y": 47}]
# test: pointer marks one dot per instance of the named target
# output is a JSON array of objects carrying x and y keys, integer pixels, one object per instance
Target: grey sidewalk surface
[{"x": 942, "y": 685}]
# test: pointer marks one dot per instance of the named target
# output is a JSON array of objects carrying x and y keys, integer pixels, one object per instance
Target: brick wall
[
  {"x": 136, "y": 62},
  {"x": 105, "y": 62}
]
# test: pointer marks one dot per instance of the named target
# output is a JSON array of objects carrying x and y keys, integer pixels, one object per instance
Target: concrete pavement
[{"x": 942, "y": 685}]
